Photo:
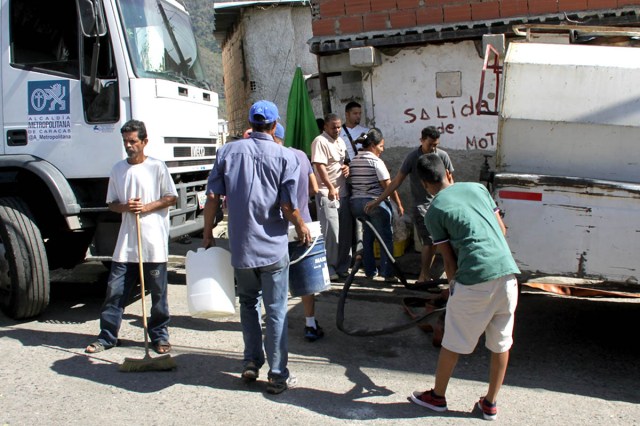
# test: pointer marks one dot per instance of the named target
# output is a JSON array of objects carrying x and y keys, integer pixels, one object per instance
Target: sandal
[
  {"x": 161, "y": 347},
  {"x": 96, "y": 347}
]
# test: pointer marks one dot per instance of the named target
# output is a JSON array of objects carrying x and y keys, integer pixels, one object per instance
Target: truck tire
[{"x": 24, "y": 271}]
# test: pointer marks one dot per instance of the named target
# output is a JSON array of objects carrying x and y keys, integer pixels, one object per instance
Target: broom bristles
[{"x": 161, "y": 363}]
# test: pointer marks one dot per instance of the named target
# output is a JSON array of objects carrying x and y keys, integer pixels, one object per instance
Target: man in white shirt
[
  {"x": 352, "y": 129},
  {"x": 139, "y": 185},
  {"x": 328, "y": 157}
]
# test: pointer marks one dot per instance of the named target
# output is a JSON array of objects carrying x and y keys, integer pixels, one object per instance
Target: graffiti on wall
[{"x": 446, "y": 117}]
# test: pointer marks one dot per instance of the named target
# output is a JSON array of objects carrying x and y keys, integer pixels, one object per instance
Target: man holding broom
[{"x": 138, "y": 185}]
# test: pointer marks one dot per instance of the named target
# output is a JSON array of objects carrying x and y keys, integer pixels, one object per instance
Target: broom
[{"x": 161, "y": 363}]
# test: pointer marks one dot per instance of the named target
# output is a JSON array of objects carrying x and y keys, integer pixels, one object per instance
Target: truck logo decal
[
  {"x": 198, "y": 151},
  {"x": 47, "y": 97},
  {"x": 49, "y": 110}
]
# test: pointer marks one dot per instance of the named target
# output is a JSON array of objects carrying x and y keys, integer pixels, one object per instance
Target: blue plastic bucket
[{"x": 308, "y": 270}]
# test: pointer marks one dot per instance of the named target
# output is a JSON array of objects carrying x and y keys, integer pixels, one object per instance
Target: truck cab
[{"x": 71, "y": 73}]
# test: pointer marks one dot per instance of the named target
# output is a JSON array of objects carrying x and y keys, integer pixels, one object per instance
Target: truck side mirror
[{"x": 92, "y": 19}]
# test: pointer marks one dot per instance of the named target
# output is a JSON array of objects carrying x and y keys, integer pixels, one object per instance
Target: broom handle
[{"x": 144, "y": 308}]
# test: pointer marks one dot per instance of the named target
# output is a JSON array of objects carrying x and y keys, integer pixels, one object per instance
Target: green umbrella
[{"x": 301, "y": 121}]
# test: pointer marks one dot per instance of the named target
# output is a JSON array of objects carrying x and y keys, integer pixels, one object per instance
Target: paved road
[{"x": 575, "y": 361}]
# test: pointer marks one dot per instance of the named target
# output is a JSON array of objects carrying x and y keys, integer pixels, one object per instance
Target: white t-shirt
[
  {"x": 331, "y": 153},
  {"x": 149, "y": 180},
  {"x": 355, "y": 134}
]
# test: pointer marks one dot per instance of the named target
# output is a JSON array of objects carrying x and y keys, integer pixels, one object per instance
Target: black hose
[{"x": 347, "y": 285}]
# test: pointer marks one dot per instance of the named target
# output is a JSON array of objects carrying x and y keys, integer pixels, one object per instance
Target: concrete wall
[
  {"x": 467, "y": 166},
  {"x": 261, "y": 57},
  {"x": 434, "y": 85},
  {"x": 343, "y": 88}
]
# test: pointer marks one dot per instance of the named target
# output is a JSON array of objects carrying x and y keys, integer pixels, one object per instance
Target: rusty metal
[
  {"x": 578, "y": 291},
  {"x": 496, "y": 67},
  {"x": 592, "y": 187},
  {"x": 575, "y": 31}
]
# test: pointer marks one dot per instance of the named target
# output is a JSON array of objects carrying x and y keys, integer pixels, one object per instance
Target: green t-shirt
[{"x": 464, "y": 215}]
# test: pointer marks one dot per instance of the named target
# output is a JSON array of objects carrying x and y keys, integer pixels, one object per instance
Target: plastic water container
[{"x": 210, "y": 283}]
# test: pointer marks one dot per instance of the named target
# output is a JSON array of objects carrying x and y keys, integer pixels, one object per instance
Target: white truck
[
  {"x": 567, "y": 173},
  {"x": 71, "y": 73}
]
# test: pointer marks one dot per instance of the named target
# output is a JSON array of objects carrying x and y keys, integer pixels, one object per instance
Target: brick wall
[
  {"x": 235, "y": 85},
  {"x": 335, "y": 17}
]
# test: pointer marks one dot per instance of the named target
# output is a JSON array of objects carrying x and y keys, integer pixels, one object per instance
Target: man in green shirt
[{"x": 465, "y": 224}]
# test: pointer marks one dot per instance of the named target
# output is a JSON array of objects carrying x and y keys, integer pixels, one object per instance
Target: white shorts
[{"x": 486, "y": 307}]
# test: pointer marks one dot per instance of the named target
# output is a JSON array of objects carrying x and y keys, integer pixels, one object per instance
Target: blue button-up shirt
[{"x": 256, "y": 175}]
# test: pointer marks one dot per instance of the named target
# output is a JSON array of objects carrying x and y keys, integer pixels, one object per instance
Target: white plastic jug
[{"x": 210, "y": 285}]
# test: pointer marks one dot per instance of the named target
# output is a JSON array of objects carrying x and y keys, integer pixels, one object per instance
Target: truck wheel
[{"x": 24, "y": 271}]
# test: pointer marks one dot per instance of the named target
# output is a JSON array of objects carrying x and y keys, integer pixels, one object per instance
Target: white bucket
[{"x": 210, "y": 284}]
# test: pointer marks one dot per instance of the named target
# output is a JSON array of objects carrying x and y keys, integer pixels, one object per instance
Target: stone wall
[
  {"x": 260, "y": 59},
  {"x": 467, "y": 165}
]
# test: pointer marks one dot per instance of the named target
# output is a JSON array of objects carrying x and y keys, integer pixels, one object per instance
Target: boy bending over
[{"x": 483, "y": 292}]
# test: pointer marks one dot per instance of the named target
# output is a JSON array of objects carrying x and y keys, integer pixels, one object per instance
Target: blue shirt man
[
  {"x": 259, "y": 179},
  {"x": 256, "y": 175}
]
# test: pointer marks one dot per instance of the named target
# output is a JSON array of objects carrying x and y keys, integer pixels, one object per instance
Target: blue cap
[
  {"x": 263, "y": 112},
  {"x": 279, "y": 131}
]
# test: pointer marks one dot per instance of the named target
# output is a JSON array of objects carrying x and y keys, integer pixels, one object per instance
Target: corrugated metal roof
[{"x": 330, "y": 44}]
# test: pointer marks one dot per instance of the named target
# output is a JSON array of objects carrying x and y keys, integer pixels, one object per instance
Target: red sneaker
[
  {"x": 489, "y": 411},
  {"x": 430, "y": 400}
]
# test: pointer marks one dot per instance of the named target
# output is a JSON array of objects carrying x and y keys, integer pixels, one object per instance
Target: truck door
[
  {"x": 59, "y": 87},
  {"x": 41, "y": 82}
]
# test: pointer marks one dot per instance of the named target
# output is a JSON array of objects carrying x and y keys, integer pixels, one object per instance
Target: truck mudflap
[{"x": 571, "y": 226}]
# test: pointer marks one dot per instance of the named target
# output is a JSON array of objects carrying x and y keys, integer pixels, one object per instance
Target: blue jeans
[
  {"x": 271, "y": 284},
  {"x": 380, "y": 218},
  {"x": 122, "y": 279},
  {"x": 337, "y": 230}
]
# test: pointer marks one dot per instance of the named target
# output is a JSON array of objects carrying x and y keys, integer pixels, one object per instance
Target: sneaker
[
  {"x": 250, "y": 372},
  {"x": 275, "y": 387},
  {"x": 313, "y": 334},
  {"x": 430, "y": 400},
  {"x": 334, "y": 278},
  {"x": 489, "y": 411},
  {"x": 391, "y": 279}
]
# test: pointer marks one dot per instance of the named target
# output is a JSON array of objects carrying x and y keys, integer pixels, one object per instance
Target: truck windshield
[{"x": 161, "y": 41}]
